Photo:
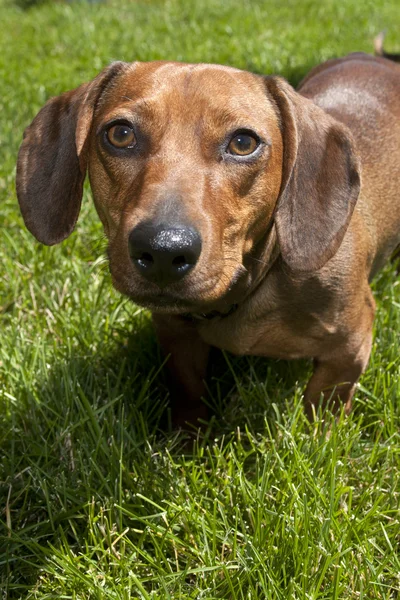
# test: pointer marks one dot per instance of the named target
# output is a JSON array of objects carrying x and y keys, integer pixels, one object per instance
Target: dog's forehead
[{"x": 169, "y": 85}]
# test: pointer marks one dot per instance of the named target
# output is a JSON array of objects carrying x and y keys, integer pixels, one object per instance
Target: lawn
[{"x": 96, "y": 501}]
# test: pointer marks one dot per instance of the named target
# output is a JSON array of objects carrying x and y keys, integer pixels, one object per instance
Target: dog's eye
[
  {"x": 121, "y": 136},
  {"x": 242, "y": 144}
]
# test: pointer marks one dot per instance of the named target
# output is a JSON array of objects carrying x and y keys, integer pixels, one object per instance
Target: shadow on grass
[{"x": 92, "y": 428}]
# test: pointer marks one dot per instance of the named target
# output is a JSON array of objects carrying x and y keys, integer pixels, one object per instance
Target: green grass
[{"x": 95, "y": 501}]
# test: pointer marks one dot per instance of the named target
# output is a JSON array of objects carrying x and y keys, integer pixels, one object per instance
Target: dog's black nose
[{"x": 164, "y": 253}]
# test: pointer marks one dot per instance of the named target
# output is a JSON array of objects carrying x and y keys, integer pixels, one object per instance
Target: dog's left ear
[
  {"x": 52, "y": 159},
  {"x": 320, "y": 179}
]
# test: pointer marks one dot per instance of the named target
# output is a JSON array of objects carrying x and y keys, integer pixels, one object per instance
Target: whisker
[{"x": 263, "y": 262}]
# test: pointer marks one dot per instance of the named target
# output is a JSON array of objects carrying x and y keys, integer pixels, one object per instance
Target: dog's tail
[{"x": 379, "y": 50}]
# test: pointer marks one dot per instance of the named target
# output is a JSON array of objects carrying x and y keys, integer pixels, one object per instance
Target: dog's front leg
[
  {"x": 337, "y": 370},
  {"x": 186, "y": 367}
]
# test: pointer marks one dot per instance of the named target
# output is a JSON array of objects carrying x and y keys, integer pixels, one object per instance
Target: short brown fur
[{"x": 290, "y": 238}]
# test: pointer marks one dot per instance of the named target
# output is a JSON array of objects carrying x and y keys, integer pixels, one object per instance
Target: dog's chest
[
  {"x": 276, "y": 325},
  {"x": 267, "y": 336}
]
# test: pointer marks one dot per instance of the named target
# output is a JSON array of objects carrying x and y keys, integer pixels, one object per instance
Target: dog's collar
[{"x": 209, "y": 316}]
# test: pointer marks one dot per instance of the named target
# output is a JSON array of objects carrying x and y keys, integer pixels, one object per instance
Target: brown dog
[{"x": 244, "y": 214}]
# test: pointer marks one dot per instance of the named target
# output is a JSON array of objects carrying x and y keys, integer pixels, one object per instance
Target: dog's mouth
[
  {"x": 187, "y": 298},
  {"x": 170, "y": 304},
  {"x": 163, "y": 302}
]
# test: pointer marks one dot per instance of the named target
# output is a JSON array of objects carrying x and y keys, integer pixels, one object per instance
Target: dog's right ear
[
  {"x": 52, "y": 159},
  {"x": 320, "y": 179}
]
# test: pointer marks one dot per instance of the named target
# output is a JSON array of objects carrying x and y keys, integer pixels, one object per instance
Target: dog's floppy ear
[
  {"x": 52, "y": 159},
  {"x": 320, "y": 179}
]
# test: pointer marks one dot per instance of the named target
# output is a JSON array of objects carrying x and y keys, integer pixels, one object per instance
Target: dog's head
[{"x": 193, "y": 168}]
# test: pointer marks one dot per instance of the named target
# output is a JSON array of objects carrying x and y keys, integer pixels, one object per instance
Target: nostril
[
  {"x": 179, "y": 261},
  {"x": 145, "y": 260},
  {"x": 146, "y": 257}
]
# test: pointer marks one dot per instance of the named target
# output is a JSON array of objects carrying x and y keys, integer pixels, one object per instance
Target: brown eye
[
  {"x": 242, "y": 144},
  {"x": 121, "y": 136}
]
